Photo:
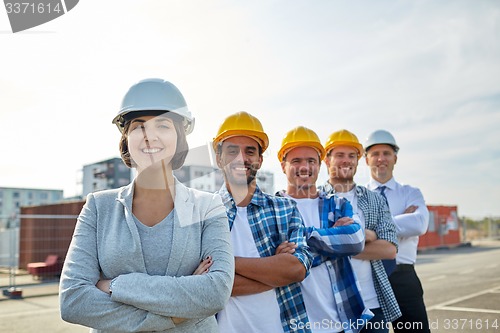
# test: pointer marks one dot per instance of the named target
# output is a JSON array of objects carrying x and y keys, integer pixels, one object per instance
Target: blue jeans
[{"x": 377, "y": 324}]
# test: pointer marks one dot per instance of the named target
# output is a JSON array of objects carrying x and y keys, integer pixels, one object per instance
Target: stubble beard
[
  {"x": 340, "y": 182},
  {"x": 239, "y": 180}
]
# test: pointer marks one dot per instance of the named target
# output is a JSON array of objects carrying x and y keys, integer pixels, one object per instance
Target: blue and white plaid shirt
[
  {"x": 378, "y": 218},
  {"x": 334, "y": 246},
  {"x": 274, "y": 220}
]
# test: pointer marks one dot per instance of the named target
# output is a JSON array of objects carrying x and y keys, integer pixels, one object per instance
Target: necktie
[
  {"x": 381, "y": 190},
  {"x": 389, "y": 264}
]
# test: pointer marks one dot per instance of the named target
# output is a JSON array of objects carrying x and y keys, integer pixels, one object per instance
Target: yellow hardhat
[
  {"x": 300, "y": 137},
  {"x": 343, "y": 138},
  {"x": 241, "y": 124}
]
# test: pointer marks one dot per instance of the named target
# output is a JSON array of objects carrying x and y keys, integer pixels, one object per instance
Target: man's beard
[
  {"x": 252, "y": 176},
  {"x": 342, "y": 176},
  {"x": 249, "y": 179}
]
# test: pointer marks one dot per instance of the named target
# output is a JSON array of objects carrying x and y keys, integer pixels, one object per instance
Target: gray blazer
[{"x": 106, "y": 245}]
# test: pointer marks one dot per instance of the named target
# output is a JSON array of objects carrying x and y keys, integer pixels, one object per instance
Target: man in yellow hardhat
[
  {"x": 267, "y": 233},
  {"x": 331, "y": 292},
  {"x": 411, "y": 216},
  {"x": 343, "y": 152}
]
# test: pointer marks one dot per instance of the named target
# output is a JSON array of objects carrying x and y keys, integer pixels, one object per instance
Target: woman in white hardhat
[{"x": 153, "y": 255}]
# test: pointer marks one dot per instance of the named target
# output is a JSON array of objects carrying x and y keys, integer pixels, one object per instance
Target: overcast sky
[{"x": 428, "y": 71}]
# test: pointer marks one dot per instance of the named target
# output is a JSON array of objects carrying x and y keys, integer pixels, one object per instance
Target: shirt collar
[
  {"x": 391, "y": 184},
  {"x": 126, "y": 193},
  {"x": 329, "y": 189},
  {"x": 321, "y": 193},
  {"x": 258, "y": 197}
]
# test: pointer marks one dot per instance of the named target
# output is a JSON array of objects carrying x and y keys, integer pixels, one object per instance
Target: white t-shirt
[
  {"x": 316, "y": 287},
  {"x": 255, "y": 313},
  {"x": 362, "y": 268}
]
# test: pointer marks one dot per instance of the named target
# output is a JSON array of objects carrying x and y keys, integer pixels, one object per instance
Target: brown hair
[{"x": 181, "y": 150}]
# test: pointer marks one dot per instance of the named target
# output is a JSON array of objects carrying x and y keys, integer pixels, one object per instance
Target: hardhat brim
[
  {"x": 261, "y": 137},
  {"x": 395, "y": 147},
  {"x": 132, "y": 113},
  {"x": 354, "y": 145},
  {"x": 288, "y": 147}
]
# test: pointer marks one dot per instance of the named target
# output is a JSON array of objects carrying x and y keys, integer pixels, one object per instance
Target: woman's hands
[
  {"x": 103, "y": 285},
  {"x": 204, "y": 266}
]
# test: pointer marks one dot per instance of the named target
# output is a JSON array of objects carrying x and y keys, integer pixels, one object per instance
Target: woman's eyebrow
[
  {"x": 156, "y": 120},
  {"x": 159, "y": 119}
]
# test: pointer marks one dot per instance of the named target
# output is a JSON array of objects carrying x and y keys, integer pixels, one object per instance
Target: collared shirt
[
  {"x": 333, "y": 247},
  {"x": 409, "y": 226},
  {"x": 377, "y": 218},
  {"x": 274, "y": 220}
]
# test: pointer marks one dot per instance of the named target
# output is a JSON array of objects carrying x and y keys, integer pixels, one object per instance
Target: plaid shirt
[
  {"x": 333, "y": 246},
  {"x": 274, "y": 220},
  {"x": 378, "y": 218}
]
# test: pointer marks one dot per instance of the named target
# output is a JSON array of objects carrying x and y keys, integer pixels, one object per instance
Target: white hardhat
[
  {"x": 381, "y": 137},
  {"x": 154, "y": 95}
]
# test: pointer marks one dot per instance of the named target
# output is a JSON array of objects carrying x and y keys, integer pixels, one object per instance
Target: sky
[{"x": 427, "y": 71}]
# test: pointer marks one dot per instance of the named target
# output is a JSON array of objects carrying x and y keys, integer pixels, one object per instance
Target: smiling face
[
  {"x": 151, "y": 139},
  {"x": 239, "y": 158},
  {"x": 381, "y": 160},
  {"x": 301, "y": 166},
  {"x": 342, "y": 162}
]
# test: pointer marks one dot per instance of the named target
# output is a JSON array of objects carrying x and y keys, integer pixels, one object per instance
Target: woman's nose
[{"x": 149, "y": 135}]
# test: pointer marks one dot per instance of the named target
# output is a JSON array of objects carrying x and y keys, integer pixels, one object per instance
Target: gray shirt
[{"x": 156, "y": 242}]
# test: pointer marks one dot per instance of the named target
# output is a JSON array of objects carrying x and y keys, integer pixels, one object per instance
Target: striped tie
[
  {"x": 389, "y": 264},
  {"x": 381, "y": 190}
]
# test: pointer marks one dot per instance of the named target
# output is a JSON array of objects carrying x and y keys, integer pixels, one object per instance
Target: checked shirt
[
  {"x": 274, "y": 220},
  {"x": 378, "y": 218},
  {"x": 334, "y": 246}
]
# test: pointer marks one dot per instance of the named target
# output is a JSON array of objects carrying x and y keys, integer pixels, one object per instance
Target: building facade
[
  {"x": 113, "y": 173},
  {"x": 104, "y": 175},
  {"x": 12, "y": 199},
  {"x": 209, "y": 179}
]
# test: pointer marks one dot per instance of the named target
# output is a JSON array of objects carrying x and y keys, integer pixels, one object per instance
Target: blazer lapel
[
  {"x": 125, "y": 198},
  {"x": 183, "y": 217}
]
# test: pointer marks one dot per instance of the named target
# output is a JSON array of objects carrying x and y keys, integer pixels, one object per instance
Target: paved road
[
  {"x": 462, "y": 292},
  {"x": 462, "y": 288}
]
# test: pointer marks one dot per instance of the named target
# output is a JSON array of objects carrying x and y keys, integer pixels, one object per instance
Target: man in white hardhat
[{"x": 411, "y": 216}]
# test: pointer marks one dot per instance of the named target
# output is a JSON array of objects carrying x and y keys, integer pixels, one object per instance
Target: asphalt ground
[
  {"x": 462, "y": 294},
  {"x": 38, "y": 309},
  {"x": 462, "y": 288}
]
